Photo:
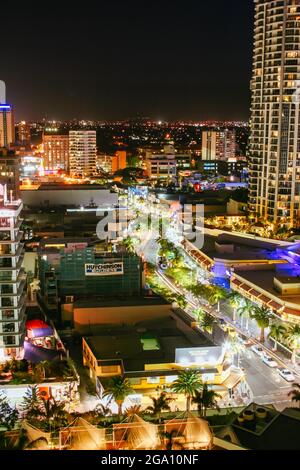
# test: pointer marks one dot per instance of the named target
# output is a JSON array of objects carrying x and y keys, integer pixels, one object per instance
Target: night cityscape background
[{"x": 150, "y": 228}]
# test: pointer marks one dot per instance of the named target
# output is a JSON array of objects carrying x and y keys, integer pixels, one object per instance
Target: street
[{"x": 265, "y": 383}]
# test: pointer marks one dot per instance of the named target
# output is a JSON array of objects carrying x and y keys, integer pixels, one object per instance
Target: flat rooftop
[
  {"x": 241, "y": 251},
  {"x": 161, "y": 338},
  {"x": 265, "y": 280},
  {"x": 281, "y": 434}
]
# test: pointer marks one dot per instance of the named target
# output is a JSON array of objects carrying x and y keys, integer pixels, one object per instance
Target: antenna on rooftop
[{"x": 2, "y": 92}]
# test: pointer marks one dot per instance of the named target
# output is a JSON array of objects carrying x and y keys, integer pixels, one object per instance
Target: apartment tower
[
  {"x": 275, "y": 125},
  {"x": 83, "y": 152}
]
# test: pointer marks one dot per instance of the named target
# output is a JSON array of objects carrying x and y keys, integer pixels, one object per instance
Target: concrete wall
[{"x": 86, "y": 320}]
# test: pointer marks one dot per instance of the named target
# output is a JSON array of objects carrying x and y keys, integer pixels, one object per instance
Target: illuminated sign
[
  {"x": 105, "y": 269},
  {"x": 207, "y": 356}
]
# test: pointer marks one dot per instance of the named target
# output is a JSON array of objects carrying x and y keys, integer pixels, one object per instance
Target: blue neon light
[{"x": 5, "y": 106}]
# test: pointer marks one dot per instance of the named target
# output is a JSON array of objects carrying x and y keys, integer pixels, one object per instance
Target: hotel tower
[{"x": 275, "y": 124}]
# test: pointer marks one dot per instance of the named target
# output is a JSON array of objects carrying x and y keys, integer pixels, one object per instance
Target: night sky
[{"x": 188, "y": 59}]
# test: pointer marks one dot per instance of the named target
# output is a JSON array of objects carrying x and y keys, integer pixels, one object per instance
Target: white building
[
  {"x": 83, "y": 152},
  {"x": 12, "y": 279},
  {"x": 275, "y": 136}
]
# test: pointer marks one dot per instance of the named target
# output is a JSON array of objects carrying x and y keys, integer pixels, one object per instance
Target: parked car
[
  {"x": 286, "y": 374},
  {"x": 269, "y": 361},
  {"x": 258, "y": 350}
]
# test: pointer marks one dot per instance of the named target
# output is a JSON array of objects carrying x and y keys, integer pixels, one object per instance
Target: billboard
[
  {"x": 206, "y": 356},
  {"x": 104, "y": 269}
]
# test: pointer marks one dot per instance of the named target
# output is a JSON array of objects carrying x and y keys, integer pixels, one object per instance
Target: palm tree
[
  {"x": 207, "y": 323},
  {"x": 277, "y": 332},
  {"x": 235, "y": 300},
  {"x": 180, "y": 300},
  {"x": 263, "y": 316},
  {"x": 197, "y": 400},
  {"x": 295, "y": 394},
  {"x": 245, "y": 310},
  {"x": 293, "y": 339},
  {"x": 8, "y": 415},
  {"x": 216, "y": 295},
  {"x": 31, "y": 401},
  {"x": 118, "y": 388},
  {"x": 159, "y": 404},
  {"x": 199, "y": 314},
  {"x": 53, "y": 414},
  {"x": 236, "y": 348},
  {"x": 187, "y": 383},
  {"x": 209, "y": 399}
]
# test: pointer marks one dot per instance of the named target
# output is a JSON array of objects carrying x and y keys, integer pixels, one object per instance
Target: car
[
  {"x": 258, "y": 350},
  {"x": 286, "y": 375},
  {"x": 163, "y": 266},
  {"x": 269, "y": 361}
]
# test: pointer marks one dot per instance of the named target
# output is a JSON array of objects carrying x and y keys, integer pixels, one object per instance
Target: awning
[
  {"x": 232, "y": 380},
  {"x": 254, "y": 292},
  {"x": 236, "y": 282},
  {"x": 264, "y": 298},
  {"x": 245, "y": 287},
  {"x": 290, "y": 311},
  {"x": 274, "y": 305}
]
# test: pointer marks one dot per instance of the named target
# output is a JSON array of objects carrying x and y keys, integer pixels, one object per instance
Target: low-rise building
[{"x": 151, "y": 354}]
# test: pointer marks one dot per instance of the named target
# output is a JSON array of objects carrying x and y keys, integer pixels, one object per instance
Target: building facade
[
  {"x": 7, "y": 127},
  {"x": 83, "y": 152},
  {"x": 218, "y": 145},
  {"x": 83, "y": 273},
  {"x": 12, "y": 279},
  {"x": 275, "y": 133},
  {"x": 56, "y": 152}
]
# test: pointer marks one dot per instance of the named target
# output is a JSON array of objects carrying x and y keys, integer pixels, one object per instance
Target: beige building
[
  {"x": 56, "y": 152},
  {"x": 7, "y": 126}
]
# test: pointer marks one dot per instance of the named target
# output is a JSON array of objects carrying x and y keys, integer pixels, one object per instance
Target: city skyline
[{"x": 161, "y": 62}]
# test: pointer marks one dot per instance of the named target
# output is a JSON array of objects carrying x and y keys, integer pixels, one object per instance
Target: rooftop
[
  {"x": 265, "y": 281},
  {"x": 150, "y": 342},
  {"x": 241, "y": 251},
  {"x": 280, "y": 431}
]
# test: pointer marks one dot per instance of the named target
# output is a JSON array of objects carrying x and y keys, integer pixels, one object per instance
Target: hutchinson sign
[{"x": 104, "y": 269}]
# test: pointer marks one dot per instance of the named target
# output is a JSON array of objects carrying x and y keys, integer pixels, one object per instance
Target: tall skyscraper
[
  {"x": 218, "y": 145},
  {"x": 83, "y": 152},
  {"x": 12, "y": 275},
  {"x": 56, "y": 152},
  {"x": 275, "y": 125},
  {"x": 7, "y": 127}
]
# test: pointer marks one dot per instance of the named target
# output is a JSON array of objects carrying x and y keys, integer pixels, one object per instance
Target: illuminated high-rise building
[
  {"x": 12, "y": 275},
  {"x": 275, "y": 126},
  {"x": 83, "y": 152},
  {"x": 218, "y": 145},
  {"x": 7, "y": 127},
  {"x": 56, "y": 152}
]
